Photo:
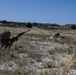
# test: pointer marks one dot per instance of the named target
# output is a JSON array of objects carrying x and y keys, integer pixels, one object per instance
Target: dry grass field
[{"x": 38, "y": 53}]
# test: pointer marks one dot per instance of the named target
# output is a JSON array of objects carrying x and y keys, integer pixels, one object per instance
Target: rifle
[
  {"x": 13, "y": 39},
  {"x": 20, "y": 34}
]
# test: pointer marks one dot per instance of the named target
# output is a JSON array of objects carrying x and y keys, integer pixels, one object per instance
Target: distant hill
[{"x": 35, "y": 24}]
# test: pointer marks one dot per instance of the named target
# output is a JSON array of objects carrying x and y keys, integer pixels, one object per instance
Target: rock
[
  {"x": 8, "y": 66},
  {"x": 51, "y": 37},
  {"x": 20, "y": 55},
  {"x": 72, "y": 72}
]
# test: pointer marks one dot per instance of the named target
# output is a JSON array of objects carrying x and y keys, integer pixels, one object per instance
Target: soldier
[
  {"x": 5, "y": 39},
  {"x": 57, "y": 35}
]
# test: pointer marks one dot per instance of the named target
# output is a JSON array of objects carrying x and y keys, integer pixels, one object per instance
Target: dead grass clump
[
  {"x": 66, "y": 64},
  {"x": 31, "y": 51},
  {"x": 68, "y": 50},
  {"x": 4, "y": 72},
  {"x": 74, "y": 55},
  {"x": 45, "y": 73},
  {"x": 66, "y": 40},
  {"x": 50, "y": 64},
  {"x": 49, "y": 72}
]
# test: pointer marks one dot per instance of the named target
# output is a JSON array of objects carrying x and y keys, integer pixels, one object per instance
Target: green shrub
[{"x": 52, "y": 51}]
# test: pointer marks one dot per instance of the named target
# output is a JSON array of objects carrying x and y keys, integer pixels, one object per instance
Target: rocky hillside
[{"x": 38, "y": 52}]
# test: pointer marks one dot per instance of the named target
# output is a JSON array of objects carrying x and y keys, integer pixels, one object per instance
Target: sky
[{"x": 41, "y": 11}]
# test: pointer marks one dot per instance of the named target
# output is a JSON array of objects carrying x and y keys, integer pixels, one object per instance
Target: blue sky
[{"x": 42, "y": 11}]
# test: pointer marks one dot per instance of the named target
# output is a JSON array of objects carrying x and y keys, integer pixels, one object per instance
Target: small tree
[
  {"x": 73, "y": 27},
  {"x": 29, "y": 25},
  {"x": 4, "y": 22}
]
